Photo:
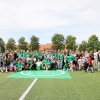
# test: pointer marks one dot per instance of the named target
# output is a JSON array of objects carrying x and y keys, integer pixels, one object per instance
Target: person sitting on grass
[
  {"x": 18, "y": 66},
  {"x": 71, "y": 65},
  {"x": 11, "y": 66}
]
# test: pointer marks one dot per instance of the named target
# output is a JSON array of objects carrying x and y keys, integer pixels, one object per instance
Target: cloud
[
  {"x": 46, "y": 14},
  {"x": 44, "y": 18}
]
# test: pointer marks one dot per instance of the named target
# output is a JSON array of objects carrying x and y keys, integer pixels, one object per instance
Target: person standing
[
  {"x": 1, "y": 62},
  {"x": 92, "y": 57},
  {"x": 90, "y": 64},
  {"x": 95, "y": 59},
  {"x": 98, "y": 60}
]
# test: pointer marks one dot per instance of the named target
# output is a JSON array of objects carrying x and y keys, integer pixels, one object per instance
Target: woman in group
[{"x": 38, "y": 64}]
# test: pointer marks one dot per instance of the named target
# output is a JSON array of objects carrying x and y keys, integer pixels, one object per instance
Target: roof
[{"x": 47, "y": 46}]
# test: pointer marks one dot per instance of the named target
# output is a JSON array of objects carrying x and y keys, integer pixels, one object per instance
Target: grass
[
  {"x": 12, "y": 89},
  {"x": 82, "y": 86}
]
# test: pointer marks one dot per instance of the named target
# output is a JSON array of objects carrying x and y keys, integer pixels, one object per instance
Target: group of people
[{"x": 45, "y": 60}]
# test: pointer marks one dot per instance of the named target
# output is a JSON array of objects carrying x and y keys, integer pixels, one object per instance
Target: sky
[{"x": 44, "y": 18}]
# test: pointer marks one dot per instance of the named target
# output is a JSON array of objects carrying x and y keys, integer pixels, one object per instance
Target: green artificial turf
[
  {"x": 82, "y": 86},
  {"x": 41, "y": 74},
  {"x": 12, "y": 89}
]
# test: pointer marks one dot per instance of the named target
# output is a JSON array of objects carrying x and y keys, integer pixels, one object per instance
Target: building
[{"x": 47, "y": 46}]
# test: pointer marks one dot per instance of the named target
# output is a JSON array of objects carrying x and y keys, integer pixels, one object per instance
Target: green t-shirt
[
  {"x": 18, "y": 65},
  {"x": 18, "y": 54},
  {"x": 65, "y": 66},
  {"x": 48, "y": 62},
  {"x": 34, "y": 54},
  {"x": 39, "y": 55},
  {"x": 24, "y": 53},
  {"x": 27, "y": 55},
  {"x": 61, "y": 58},
  {"x": 55, "y": 56},
  {"x": 30, "y": 61},
  {"x": 44, "y": 61},
  {"x": 69, "y": 58}
]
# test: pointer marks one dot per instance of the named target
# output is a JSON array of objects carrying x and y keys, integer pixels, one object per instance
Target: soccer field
[{"x": 80, "y": 86}]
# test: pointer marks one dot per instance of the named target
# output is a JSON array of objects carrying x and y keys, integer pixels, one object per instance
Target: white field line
[{"x": 28, "y": 89}]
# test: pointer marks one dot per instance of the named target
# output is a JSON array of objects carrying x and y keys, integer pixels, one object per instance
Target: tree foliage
[
  {"x": 93, "y": 43},
  {"x": 10, "y": 44},
  {"x": 2, "y": 48},
  {"x": 71, "y": 42},
  {"x": 83, "y": 46},
  {"x": 58, "y": 42},
  {"x": 34, "y": 43},
  {"x": 22, "y": 44}
]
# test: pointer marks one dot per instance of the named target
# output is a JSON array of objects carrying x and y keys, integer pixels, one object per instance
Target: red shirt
[{"x": 90, "y": 61}]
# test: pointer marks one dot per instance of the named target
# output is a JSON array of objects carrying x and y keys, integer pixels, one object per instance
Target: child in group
[
  {"x": 71, "y": 65},
  {"x": 90, "y": 64},
  {"x": 11, "y": 67},
  {"x": 18, "y": 66},
  {"x": 80, "y": 63}
]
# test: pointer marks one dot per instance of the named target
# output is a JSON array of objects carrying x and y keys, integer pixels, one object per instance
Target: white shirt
[
  {"x": 28, "y": 59},
  {"x": 95, "y": 55},
  {"x": 38, "y": 63}
]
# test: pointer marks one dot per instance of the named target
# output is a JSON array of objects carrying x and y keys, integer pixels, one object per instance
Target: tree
[
  {"x": 83, "y": 46},
  {"x": 34, "y": 43},
  {"x": 71, "y": 42},
  {"x": 11, "y": 44},
  {"x": 93, "y": 43},
  {"x": 58, "y": 42},
  {"x": 2, "y": 48},
  {"x": 22, "y": 44}
]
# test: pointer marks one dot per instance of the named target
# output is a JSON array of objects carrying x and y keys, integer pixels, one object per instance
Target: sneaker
[
  {"x": 6, "y": 71},
  {"x": 92, "y": 71},
  {"x": 98, "y": 69}
]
